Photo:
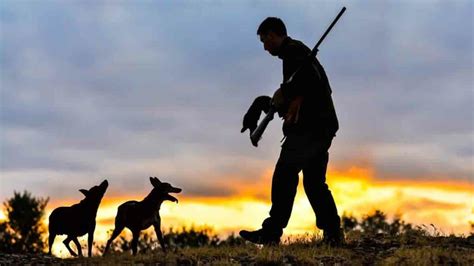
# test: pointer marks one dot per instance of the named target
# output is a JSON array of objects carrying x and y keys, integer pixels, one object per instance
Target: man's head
[{"x": 272, "y": 32}]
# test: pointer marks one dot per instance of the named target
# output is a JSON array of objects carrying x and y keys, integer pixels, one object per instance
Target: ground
[{"x": 377, "y": 250}]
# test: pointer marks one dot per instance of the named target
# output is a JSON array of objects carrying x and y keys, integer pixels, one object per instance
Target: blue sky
[{"x": 131, "y": 89}]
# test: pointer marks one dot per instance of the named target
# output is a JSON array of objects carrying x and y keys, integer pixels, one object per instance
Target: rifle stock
[{"x": 256, "y": 135}]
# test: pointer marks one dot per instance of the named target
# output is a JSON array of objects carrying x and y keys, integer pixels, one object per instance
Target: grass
[
  {"x": 374, "y": 240},
  {"x": 374, "y": 250}
]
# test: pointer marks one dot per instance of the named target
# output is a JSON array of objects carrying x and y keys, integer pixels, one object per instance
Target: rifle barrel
[{"x": 315, "y": 49}]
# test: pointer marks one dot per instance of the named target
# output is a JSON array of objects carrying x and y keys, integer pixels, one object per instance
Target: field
[
  {"x": 379, "y": 249},
  {"x": 372, "y": 240}
]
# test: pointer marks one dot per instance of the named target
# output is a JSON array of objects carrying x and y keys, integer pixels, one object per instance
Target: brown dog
[
  {"x": 77, "y": 220},
  {"x": 139, "y": 215}
]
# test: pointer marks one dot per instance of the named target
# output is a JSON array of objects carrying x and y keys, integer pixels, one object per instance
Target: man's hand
[
  {"x": 278, "y": 99},
  {"x": 261, "y": 103},
  {"x": 293, "y": 113}
]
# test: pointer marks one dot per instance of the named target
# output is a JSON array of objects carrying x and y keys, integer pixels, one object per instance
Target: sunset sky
[{"x": 124, "y": 90}]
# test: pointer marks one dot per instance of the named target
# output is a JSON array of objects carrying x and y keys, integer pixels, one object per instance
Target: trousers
[{"x": 302, "y": 152}]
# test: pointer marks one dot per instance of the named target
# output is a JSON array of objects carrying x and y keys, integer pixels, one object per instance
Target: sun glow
[{"x": 2, "y": 216}]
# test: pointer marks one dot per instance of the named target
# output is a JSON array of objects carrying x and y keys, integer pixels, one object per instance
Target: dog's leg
[
  {"x": 136, "y": 235},
  {"x": 115, "y": 233},
  {"x": 66, "y": 243},
  {"x": 159, "y": 235},
  {"x": 51, "y": 241},
  {"x": 90, "y": 241},
  {"x": 78, "y": 245}
]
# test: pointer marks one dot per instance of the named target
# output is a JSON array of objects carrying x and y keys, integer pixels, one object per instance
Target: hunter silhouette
[{"x": 310, "y": 124}]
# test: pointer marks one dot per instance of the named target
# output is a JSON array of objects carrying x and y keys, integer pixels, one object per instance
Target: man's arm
[
  {"x": 297, "y": 62},
  {"x": 296, "y": 58},
  {"x": 293, "y": 113}
]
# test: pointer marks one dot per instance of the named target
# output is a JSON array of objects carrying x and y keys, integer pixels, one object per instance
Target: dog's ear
[
  {"x": 84, "y": 191},
  {"x": 158, "y": 180},
  {"x": 104, "y": 183},
  {"x": 154, "y": 181}
]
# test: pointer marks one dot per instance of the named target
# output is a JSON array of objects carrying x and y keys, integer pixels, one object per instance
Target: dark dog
[
  {"x": 77, "y": 220},
  {"x": 139, "y": 215}
]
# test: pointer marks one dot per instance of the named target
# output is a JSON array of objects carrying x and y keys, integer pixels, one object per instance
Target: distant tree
[
  {"x": 376, "y": 223},
  {"x": 349, "y": 222},
  {"x": 398, "y": 226},
  {"x": 191, "y": 237},
  {"x": 23, "y": 230},
  {"x": 6, "y": 238}
]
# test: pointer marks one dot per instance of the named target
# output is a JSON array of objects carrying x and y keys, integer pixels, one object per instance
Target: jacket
[{"x": 317, "y": 114}]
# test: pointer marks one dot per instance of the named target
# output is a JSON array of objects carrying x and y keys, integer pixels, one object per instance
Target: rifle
[{"x": 256, "y": 135}]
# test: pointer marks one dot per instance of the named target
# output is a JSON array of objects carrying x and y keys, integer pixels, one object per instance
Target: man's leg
[
  {"x": 284, "y": 184},
  {"x": 319, "y": 195}
]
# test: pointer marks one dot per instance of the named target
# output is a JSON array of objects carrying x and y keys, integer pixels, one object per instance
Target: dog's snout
[{"x": 176, "y": 190}]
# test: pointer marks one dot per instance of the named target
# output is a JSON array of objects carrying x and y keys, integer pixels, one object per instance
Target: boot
[{"x": 260, "y": 237}]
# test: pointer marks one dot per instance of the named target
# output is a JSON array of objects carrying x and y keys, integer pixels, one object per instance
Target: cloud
[{"x": 126, "y": 91}]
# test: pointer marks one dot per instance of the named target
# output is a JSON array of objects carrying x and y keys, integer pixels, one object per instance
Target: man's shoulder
[
  {"x": 295, "y": 48},
  {"x": 297, "y": 44}
]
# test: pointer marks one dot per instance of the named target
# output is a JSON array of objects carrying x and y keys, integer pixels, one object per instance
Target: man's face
[{"x": 271, "y": 42}]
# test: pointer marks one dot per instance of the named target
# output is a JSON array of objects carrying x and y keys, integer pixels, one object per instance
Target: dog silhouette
[
  {"x": 139, "y": 215},
  {"x": 78, "y": 219}
]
